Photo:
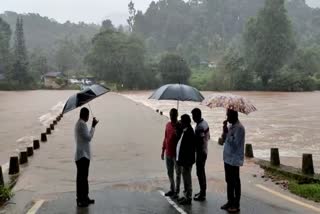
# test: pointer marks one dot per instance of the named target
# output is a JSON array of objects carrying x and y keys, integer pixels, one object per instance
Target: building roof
[{"x": 53, "y": 74}]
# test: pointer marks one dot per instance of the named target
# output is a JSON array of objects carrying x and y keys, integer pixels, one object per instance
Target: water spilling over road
[{"x": 290, "y": 121}]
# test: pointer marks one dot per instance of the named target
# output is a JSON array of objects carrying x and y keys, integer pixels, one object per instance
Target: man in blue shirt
[{"x": 233, "y": 157}]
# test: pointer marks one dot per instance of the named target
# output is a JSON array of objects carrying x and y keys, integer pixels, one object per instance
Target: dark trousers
[
  {"x": 82, "y": 179},
  {"x": 187, "y": 181},
  {"x": 171, "y": 167},
  {"x": 233, "y": 184},
  {"x": 201, "y": 172}
]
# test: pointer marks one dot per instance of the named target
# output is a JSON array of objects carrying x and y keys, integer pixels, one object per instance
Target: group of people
[{"x": 184, "y": 146}]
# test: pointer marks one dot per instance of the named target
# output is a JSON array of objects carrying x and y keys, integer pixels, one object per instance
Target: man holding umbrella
[
  {"x": 169, "y": 153},
  {"x": 82, "y": 156},
  {"x": 233, "y": 157},
  {"x": 83, "y": 137}
]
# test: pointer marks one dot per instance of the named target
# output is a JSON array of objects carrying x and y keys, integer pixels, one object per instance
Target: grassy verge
[
  {"x": 5, "y": 194},
  {"x": 302, "y": 188}
]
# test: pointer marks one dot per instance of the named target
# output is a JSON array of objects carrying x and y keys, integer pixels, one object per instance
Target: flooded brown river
[{"x": 289, "y": 121}]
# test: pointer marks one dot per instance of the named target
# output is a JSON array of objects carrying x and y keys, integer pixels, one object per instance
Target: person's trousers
[
  {"x": 171, "y": 167},
  {"x": 82, "y": 179},
  {"x": 201, "y": 171},
  {"x": 187, "y": 181},
  {"x": 232, "y": 174}
]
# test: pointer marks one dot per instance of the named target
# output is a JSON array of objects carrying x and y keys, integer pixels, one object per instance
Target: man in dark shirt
[{"x": 202, "y": 137}]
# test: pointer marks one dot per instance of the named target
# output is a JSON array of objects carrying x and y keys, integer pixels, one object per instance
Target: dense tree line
[
  {"x": 256, "y": 45},
  {"x": 211, "y": 44}
]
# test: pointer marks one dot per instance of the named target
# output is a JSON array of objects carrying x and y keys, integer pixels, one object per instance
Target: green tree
[
  {"x": 107, "y": 25},
  {"x": 5, "y": 35},
  {"x": 174, "y": 69},
  {"x": 234, "y": 67},
  {"x": 116, "y": 57},
  {"x": 38, "y": 64},
  {"x": 132, "y": 14},
  {"x": 269, "y": 40},
  {"x": 307, "y": 61},
  {"x": 65, "y": 56},
  {"x": 20, "y": 64}
]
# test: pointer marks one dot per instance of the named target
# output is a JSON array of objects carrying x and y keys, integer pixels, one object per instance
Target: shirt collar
[{"x": 200, "y": 121}]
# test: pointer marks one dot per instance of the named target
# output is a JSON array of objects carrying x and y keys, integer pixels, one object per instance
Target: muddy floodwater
[{"x": 289, "y": 121}]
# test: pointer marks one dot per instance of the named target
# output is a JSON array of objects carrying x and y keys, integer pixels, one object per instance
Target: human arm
[
  {"x": 164, "y": 144},
  {"x": 84, "y": 133}
]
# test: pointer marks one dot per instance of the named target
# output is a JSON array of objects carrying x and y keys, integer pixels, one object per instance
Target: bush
[
  {"x": 290, "y": 79},
  {"x": 5, "y": 194},
  {"x": 200, "y": 78}
]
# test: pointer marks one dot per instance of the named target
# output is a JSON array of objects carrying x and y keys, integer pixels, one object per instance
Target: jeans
[
  {"x": 171, "y": 167},
  {"x": 233, "y": 184},
  {"x": 201, "y": 172},
  {"x": 187, "y": 181},
  {"x": 82, "y": 179}
]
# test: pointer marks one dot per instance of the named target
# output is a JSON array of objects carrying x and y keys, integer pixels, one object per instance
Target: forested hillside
[{"x": 43, "y": 32}]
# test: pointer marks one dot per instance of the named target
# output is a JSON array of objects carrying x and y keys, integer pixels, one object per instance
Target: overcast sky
[{"x": 90, "y": 11}]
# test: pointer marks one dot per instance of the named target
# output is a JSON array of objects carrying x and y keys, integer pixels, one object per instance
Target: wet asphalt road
[
  {"x": 126, "y": 170},
  {"x": 118, "y": 202}
]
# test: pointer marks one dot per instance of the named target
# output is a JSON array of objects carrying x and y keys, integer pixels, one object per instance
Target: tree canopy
[{"x": 117, "y": 58}]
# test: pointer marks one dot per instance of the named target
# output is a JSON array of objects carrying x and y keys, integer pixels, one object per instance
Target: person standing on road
[
  {"x": 169, "y": 153},
  {"x": 82, "y": 156},
  {"x": 186, "y": 157},
  {"x": 202, "y": 134},
  {"x": 233, "y": 157}
]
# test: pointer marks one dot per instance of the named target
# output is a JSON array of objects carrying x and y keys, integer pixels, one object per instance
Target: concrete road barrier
[{"x": 14, "y": 165}]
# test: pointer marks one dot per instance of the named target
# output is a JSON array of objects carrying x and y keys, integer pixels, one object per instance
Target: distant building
[
  {"x": 53, "y": 80},
  {"x": 212, "y": 64}
]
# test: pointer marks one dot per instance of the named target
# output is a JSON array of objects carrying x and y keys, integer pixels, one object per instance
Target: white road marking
[
  {"x": 34, "y": 209},
  {"x": 292, "y": 200},
  {"x": 172, "y": 203}
]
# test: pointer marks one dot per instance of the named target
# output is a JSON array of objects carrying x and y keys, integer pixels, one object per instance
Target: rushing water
[
  {"x": 24, "y": 115},
  {"x": 289, "y": 121}
]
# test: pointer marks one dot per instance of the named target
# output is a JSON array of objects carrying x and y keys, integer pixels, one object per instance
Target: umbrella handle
[{"x": 90, "y": 110}]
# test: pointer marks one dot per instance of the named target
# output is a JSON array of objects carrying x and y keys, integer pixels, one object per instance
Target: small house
[{"x": 53, "y": 80}]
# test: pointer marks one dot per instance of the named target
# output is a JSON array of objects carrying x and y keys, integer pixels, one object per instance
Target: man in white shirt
[{"x": 82, "y": 156}]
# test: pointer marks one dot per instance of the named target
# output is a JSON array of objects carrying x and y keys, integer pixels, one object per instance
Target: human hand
[
  {"x": 225, "y": 123},
  {"x": 162, "y": 156},
  {"x": 94, "y": 122}
]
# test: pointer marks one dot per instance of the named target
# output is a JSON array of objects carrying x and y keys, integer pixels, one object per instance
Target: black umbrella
[
  {"x": 84, "y": 96},
  {"x": 177, "y": 92}
]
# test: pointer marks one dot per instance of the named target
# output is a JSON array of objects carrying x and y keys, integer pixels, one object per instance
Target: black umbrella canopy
[
  {"x": 84, "y": 96},
  {"x": 179, "y": 92}
]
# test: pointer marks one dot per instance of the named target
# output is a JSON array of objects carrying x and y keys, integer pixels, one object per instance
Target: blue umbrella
[
  {"x": 84, "y": 96},
  {"x": 179, "y": 92}
]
